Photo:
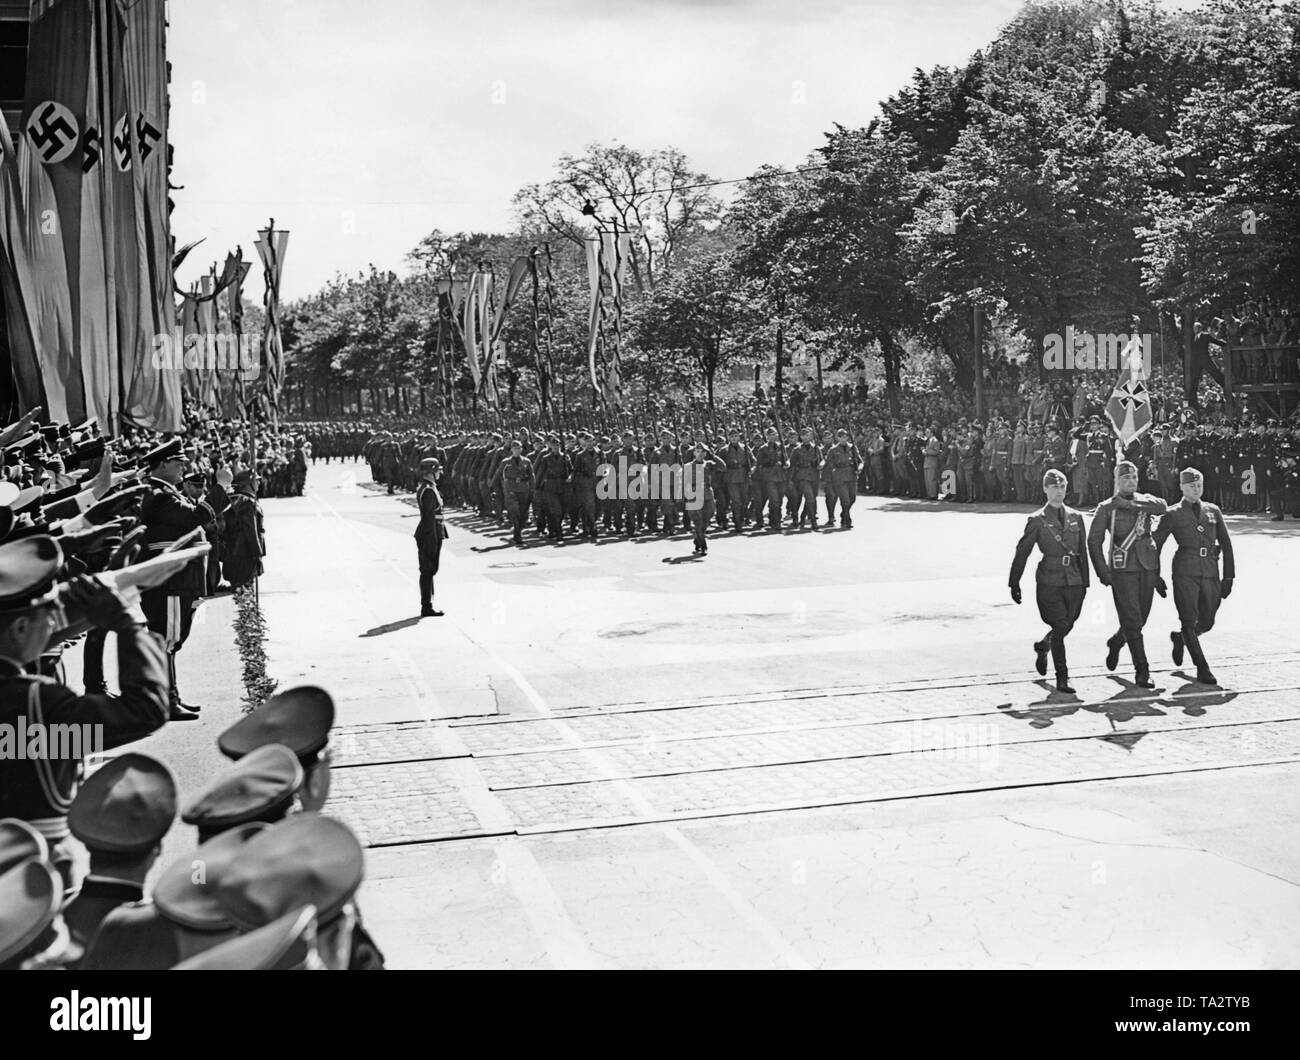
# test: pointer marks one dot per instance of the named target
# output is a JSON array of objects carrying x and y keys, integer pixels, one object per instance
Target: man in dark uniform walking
[
  {"x": 1202, "y": 536},
  {"x": 1062, "y": 576},
  {"x": 1130, "y": 565},
  {"x": 429, "y": 533}
]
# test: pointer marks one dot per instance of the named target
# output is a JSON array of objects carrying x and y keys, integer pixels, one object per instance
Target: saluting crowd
[{"x": 126, "y": 537}]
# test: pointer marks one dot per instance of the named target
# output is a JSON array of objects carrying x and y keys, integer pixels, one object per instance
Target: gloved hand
[
  {"x": 1104, "y": 578},
  {"x": 1015, "y": 593},
  {"x": 1225, "y": 590},
  {"x": 94, "y": 601},
  {"x": 1161, "y": 588}
]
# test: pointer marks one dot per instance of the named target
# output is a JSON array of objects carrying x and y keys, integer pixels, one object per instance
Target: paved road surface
[{"x": 807, "y": 750}]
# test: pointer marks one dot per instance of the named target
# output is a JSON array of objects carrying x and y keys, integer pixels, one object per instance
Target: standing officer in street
[
  {"x": 1062, "y": 577},
  {"x": 429, "y": 533},
  {"x": 1130, "y": 565},
  {"x": 1202, "y": 535}
]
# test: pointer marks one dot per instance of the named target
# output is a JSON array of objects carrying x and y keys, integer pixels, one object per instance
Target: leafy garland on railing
[{"x": 250, "y": 639}]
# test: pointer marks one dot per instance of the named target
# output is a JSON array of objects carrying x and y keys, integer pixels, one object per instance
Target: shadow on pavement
[{"x": 392, "y": 627}]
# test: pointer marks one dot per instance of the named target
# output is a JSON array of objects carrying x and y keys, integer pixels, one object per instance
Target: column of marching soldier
[
  {"x": 1245, "y": 469},
  {"x": 585, "y": 483}
]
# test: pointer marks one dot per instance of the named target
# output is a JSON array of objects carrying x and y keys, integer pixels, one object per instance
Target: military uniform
[
  {"x": 516, "y": 474},
  {"x": 1061, "y": 578},
  {"x": 739, "y": 461},
  {"x": 770, "y": 459},
  {"x": 429, "y": 535},
  {"x": 1130, "y": 565},
  {"x": 1202, "y": 536},
  {"x": 551, "y": 472},
  {"x": 586, "y": 473},
  {"x": 40, "y": 790},
  {"x": 696, "y": 482},
  {"x": 841, "y": 472},
  {"x": 805, "y": 468},
  {"x": 168, "y": 516},
  {"x": 120, "y": 814}
]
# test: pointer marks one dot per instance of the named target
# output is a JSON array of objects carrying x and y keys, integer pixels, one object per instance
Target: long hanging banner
[
  {"x": 85, "y": 220},
  {"x": 595, "y": 277},
  {"x": 270, "y": 248},
  {"x": 142, "y": 231},
  {"x": 469, "y": 330}
]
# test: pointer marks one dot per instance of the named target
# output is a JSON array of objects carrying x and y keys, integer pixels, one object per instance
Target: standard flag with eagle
[{"x": 1129, "y": 407}]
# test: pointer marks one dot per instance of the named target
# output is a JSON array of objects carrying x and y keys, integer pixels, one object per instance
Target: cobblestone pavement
[{"x": 644, "y": 763}]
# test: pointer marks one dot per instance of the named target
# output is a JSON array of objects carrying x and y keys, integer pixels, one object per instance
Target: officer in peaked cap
[
  {"x": 30, "y": 896},
  {"x": 168, "y": 516},
  {"x": 183, "y": 918},
  {"x": 286, "y": 944},
  {"x": 307, "y": 858},
  {"x": 300, "y": 719},
  {"x": 260, "y": 786},
  {"x": 120, "y": 814},
  {"x": 40, "y": 790},
  {"x": 19, "y": 841}
]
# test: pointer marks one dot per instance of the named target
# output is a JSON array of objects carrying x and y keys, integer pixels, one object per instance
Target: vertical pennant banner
[
  {"x": 594, "y": 281},
  {"x": 271, "y": 246}
]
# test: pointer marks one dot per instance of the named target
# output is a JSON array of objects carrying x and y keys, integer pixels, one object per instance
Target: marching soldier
[
  {"x": 805, "y": 464},
  {"x": 587, "y": 466},
  {"x": 551, "y": 473},
  {"x": 665, "y": 466},
  {"x": 739, "y": 460},
  {"x": 842, "y": 465},
  {"x": 1202, "y": 536},
  {"x": 516, "y": 478},
  {"x": 1062, "y": 576},
  {"x": 429, "y": 533},
  {"x": 1130, "y": 565},
  {"x": 771, "y": 461}
]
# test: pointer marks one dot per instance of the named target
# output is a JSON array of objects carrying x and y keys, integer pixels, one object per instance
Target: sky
[{"x": 361, "y": 126}]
